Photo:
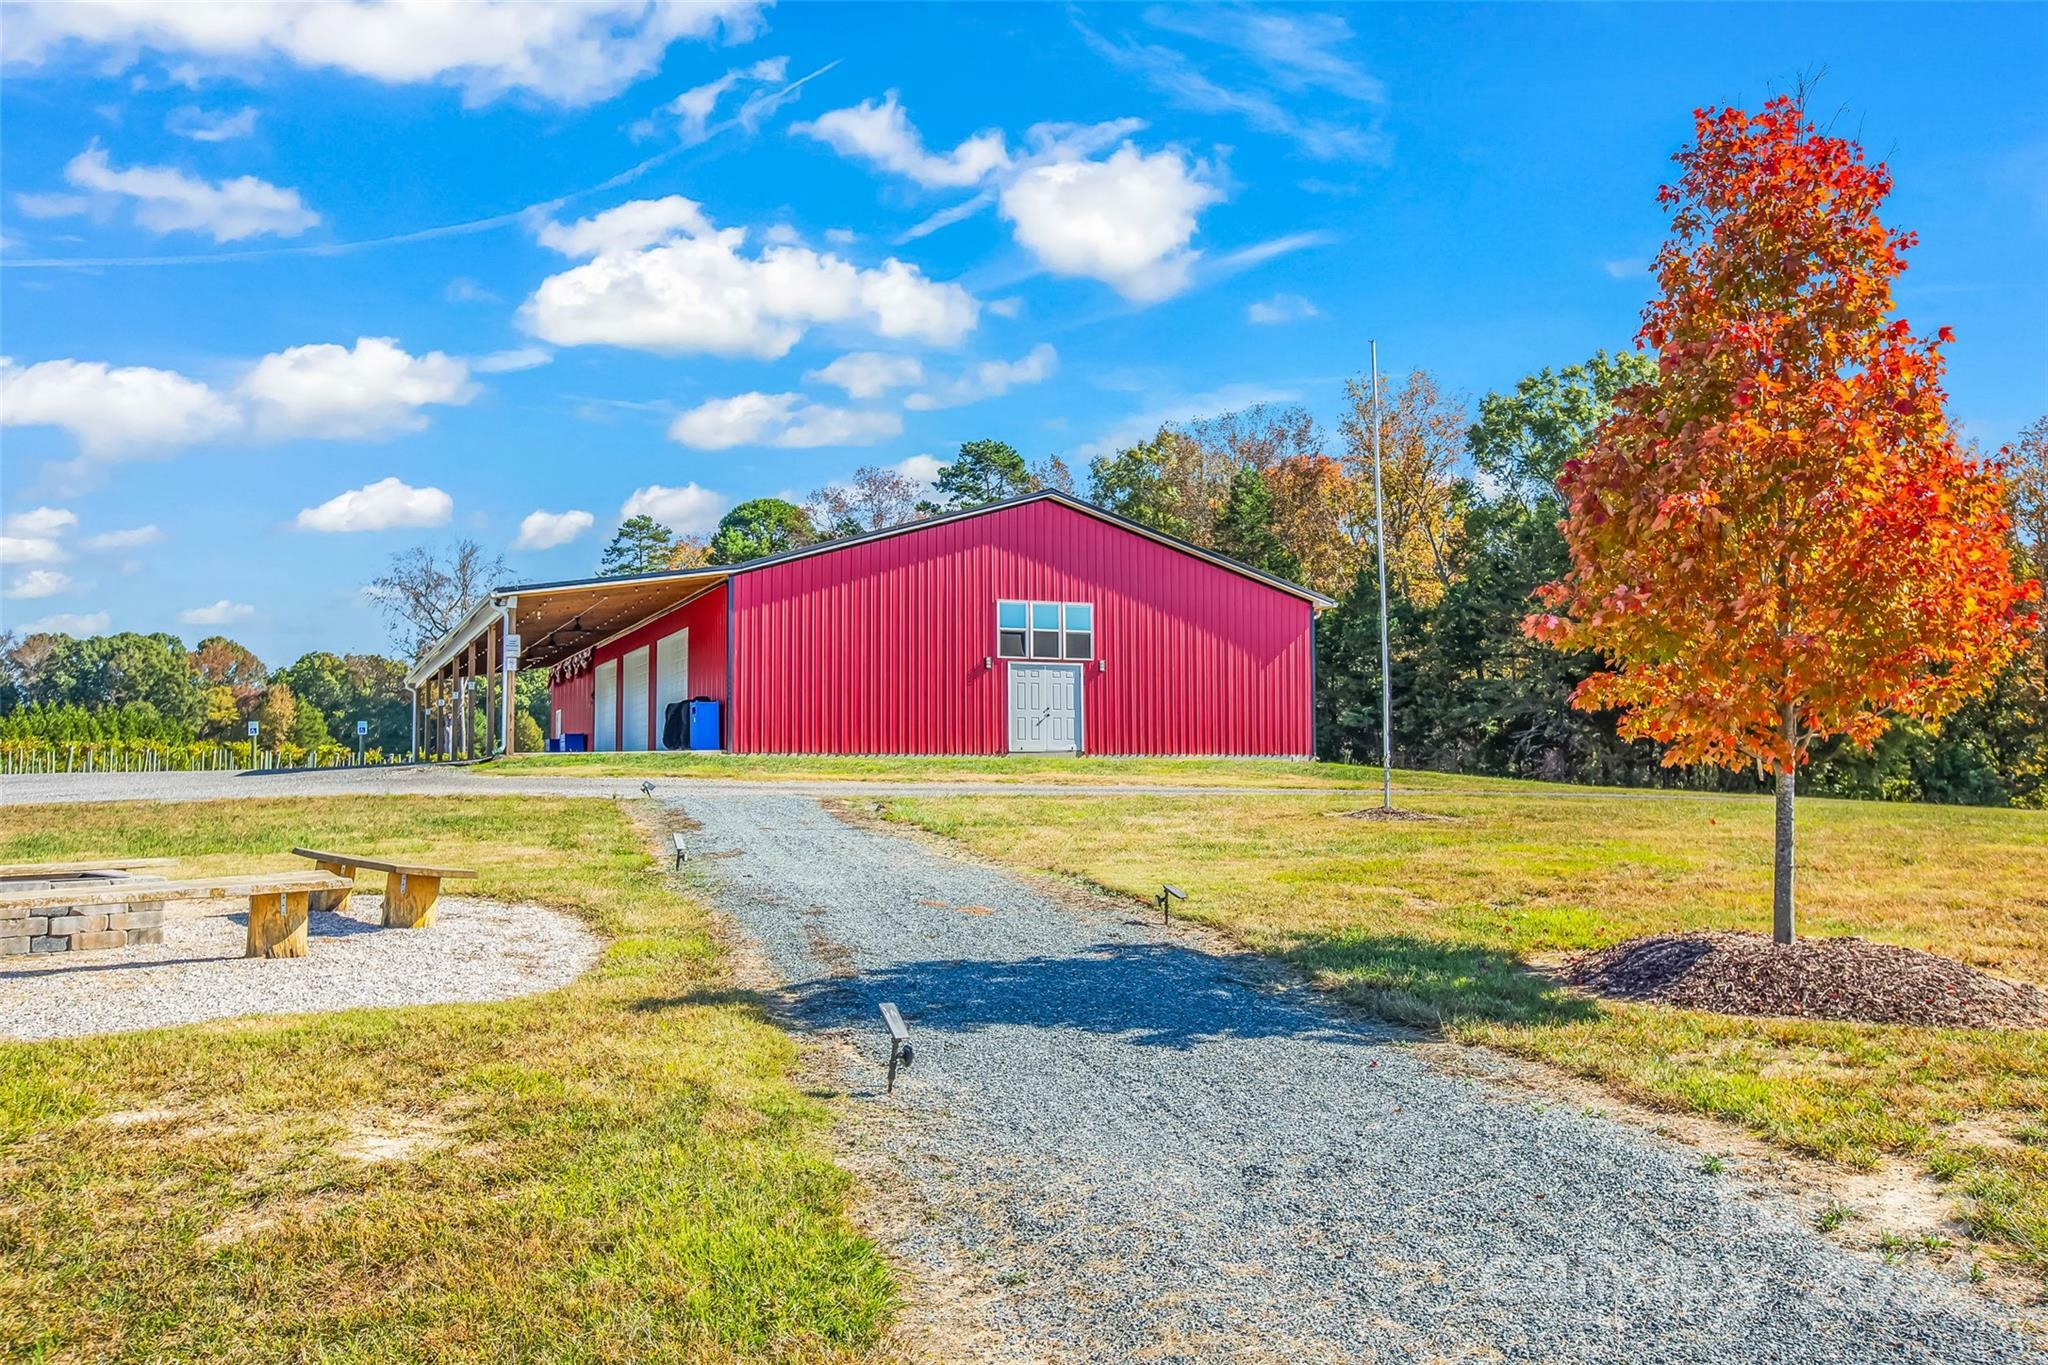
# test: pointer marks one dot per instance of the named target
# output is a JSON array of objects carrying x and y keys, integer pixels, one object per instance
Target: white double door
[{"x": 1045, "y": 708}]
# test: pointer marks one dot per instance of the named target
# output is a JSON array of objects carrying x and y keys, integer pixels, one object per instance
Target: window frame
[{"x": 1030, "y": 629}]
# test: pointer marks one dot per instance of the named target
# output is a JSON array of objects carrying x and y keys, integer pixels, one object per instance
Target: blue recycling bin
[
  {"x": 704, "y": 728},
  {"x": 575, "y": 744}
]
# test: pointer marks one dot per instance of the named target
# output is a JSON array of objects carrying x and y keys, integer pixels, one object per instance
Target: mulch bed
[{"x": 1822, "y": 978}]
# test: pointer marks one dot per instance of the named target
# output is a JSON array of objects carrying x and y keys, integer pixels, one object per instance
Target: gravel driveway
[{"x": 1129, "y": 1148}]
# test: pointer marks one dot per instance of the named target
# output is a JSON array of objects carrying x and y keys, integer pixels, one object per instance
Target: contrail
[{"x": 545, "y": 206}]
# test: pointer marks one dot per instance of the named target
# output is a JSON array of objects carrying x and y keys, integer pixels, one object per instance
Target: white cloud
[
  {"x": 989, "y": 379},
  {"x": 69, "y": 623},
  {"x": 221, "y": 613},
  {"x": 870, "y": 374},
  {"x": 786, "y": 420},
  {"x": 1006, "y": 308},
  {"x": 692, "y": 109},
  {"x": 572, "y": 54},
  {"x": 39, "y": 583},
  {"x": 1293, "y": 53},
  {"x": 127, "y": 539},
  {"x": 1125, "y": 220},
  {"x": 518, "y": 358},
  {"x": 168, "y": 200},
  {"x": 688, "y": 510},
  {"x": 53, "y": 205},
  {"x": 201, "y": 125},
  {"x": 41, "y": 521},
  {"x": 880, "y": 132},
  {"x": 374, "y": 389},
  {"x": 1625, "y": 268},
  {"x": 1298, "y": 49},
  {"x": 636, "y": 223},
  {"x": 841, "y": 236},
  {"x": 692, "y": 290},
  {"x": 1281, "y": 308},
  {"x": 30, "y": 550},
  {"x": 385, "y": 505},
  {"x": 546, "y": 530},
  {"x": 463, "y": 289},
  {"x": 112, "y": 412},
  {"x": 922, "y": 470}
]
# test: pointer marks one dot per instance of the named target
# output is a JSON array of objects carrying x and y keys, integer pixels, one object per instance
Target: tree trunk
[{"x": 1781, "y": 866}]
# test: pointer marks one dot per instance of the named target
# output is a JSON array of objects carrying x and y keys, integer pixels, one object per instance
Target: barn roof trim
[{"x": 1067, "y": 500}]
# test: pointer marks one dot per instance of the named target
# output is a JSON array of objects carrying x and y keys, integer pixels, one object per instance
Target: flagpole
[{"x": 1379, "y": 521}]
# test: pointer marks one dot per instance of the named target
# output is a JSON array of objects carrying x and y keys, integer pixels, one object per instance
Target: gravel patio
[{"x": 475, "y": 950}]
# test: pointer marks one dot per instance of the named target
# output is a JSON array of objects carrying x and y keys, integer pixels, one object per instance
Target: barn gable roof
[
  {"x": 1054, "y": 495},
  {"x": 626, "y": 600}
]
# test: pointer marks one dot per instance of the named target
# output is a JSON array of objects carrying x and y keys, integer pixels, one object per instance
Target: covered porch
[{"x": 464, "y": 692}]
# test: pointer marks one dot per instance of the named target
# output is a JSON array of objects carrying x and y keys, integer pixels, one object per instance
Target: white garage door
[
  {"x": 604, "y": 725},
  {"x": 633, "y": 715},
  {"x": 671, "y": 681}
]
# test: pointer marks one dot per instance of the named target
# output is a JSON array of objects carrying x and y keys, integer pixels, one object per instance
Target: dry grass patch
[
  {"x": 1435, "y": 923},
  {"x": 622, "y": 1169}
]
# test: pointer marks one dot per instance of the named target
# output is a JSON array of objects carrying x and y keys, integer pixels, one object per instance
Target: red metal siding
[
  {"x": 703, "y": 616},
  {"x": 878, "y": 648},
  {"x": 576, "y": 699}
]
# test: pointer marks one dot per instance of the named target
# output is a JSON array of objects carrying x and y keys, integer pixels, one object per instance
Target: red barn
[{"x": 1043, "y": 624}]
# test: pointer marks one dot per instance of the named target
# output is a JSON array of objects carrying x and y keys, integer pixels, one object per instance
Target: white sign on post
[
  {"x": 253, "y": 728},
  {"x": 362, "y": 727},
  {"x": 511, "y": 651}
]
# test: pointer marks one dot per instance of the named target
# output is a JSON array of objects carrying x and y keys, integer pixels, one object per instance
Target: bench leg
[
  {"x": 277, "y": 925},
  {"x": 409, "y": 901},
  {"x": 336, "y": 901}
]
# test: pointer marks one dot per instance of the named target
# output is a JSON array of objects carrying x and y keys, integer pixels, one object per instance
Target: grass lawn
[
  {"x": 1432, "y": 922},
  {"x": 1049, "y": 769},
  {"x": 623, "y": 1169}
]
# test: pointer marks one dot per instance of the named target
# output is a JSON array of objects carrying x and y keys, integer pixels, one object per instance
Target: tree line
[
  {"x": 128, "y": 687},
  {"x": 1472, "y": 514},
  {"x": 1472, "y": 527}
]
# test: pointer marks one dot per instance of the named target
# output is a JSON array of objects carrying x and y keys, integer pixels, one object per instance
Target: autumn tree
[
  {"x": 1778, "y": 540},
  {"x": 1162, "y": 482},
  {"x": 1422, "y": 439},
  {"x": 1181, "y": 479},
  {"x": 1315, "y": 510}
]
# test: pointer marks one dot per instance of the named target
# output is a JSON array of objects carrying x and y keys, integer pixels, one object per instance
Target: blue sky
[{"x": 363, "y": 278}]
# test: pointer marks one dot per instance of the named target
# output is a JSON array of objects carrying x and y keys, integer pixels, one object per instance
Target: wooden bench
[
  {"x": 410, "y": 889},
  {"x": 277, "y": 902},
  {"x": 30, "y": 871}
]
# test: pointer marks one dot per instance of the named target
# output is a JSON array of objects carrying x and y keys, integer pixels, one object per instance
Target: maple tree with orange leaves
[{"x": 1779, "y": 540}]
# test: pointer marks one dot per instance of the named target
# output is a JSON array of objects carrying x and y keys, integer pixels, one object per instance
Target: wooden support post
[
  {"x": 409, "y": 901},
  {"x": 277, "y": 925},
  {"x": 336, "y": 901}
]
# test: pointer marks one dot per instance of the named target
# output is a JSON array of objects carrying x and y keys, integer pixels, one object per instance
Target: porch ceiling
[{"x": 554, "y": 623}]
